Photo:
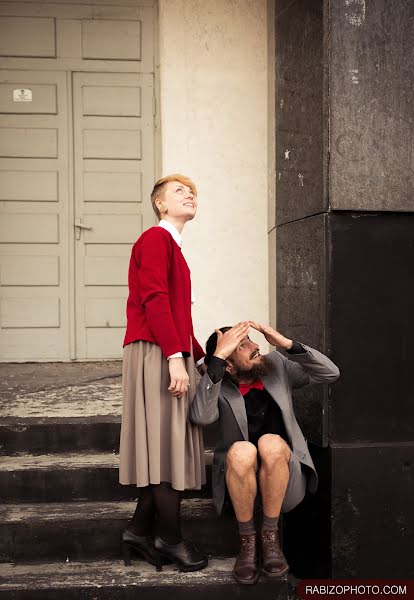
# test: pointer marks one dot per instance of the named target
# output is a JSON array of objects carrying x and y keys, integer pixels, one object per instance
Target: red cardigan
[{"x": 159, "y": 301}]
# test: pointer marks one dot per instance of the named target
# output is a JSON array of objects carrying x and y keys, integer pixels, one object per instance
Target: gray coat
[{"x": 223, "y": 401}]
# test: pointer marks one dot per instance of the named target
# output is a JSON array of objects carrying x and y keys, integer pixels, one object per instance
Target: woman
[{"x": 161, "y": 452}]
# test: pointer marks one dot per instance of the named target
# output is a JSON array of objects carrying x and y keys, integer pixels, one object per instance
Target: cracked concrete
[
  {"x": 108, "y": 573},
  {"x": 50, "y": 391},
  {"x": 19, "y": 379},
  {"x": 67, "y": 461},
  {"x": 69, "y": 511},
  {"x": 64, "y": 511},
  {"x": 91, "y": 399}
]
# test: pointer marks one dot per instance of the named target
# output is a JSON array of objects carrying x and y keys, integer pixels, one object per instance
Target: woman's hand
[{"x": 180, "y": 381}]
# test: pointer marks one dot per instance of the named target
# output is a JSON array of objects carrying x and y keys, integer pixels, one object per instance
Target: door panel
[
  {"x": 44, "y": 100},
  {"x": 28, "y": 142},
  {"x": 107, "y": 39},
  {"x": 114, "y": 171},
  {"x": 29, "y": 185},
  {"x": 26, "y": 36}
]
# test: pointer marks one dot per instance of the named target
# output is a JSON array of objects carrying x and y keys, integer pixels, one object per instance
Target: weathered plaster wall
[{"x": 213, "y": 108}]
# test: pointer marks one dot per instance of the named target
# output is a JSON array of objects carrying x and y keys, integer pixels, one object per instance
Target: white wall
[{"x": 213, "y": 109}]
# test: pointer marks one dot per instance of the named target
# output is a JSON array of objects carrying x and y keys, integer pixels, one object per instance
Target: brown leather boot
[
  {"x": 247, "y": 567},
  {"x": 273, "y": 559}
]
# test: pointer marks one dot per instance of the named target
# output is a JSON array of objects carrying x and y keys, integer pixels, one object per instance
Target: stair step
[
  {"x": 70, "y": 476},
  {"x": 79, "y": 530},
  {"x": 89, "y": 400},
  {"x": 106, "y": 580},
  {"x": 33, "y": 435},
  {"x": 77, "y": 417},
  {"x": 19, "y": 378}
]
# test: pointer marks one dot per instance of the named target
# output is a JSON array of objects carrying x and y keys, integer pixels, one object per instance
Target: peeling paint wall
[{"x": 213, "y": 77}]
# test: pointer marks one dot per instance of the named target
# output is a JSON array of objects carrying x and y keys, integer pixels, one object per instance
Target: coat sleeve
[
  {"x": 310, "y": 367},
  {"x": 204, "y": 407},
  {"x": 154, "y": 260}
]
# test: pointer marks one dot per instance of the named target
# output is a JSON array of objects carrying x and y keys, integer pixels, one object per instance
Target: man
[{"x": 261, "y": 444}]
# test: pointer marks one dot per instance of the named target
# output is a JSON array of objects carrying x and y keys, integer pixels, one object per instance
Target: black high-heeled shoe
[
  {"x": 143, "y": 546},
  {"x": 184, "y": 554}
]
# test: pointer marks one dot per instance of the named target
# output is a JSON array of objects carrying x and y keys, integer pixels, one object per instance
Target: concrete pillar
[{"x": 345, "y": 256}]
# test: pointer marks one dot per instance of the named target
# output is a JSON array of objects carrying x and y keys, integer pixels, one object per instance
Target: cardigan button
[{"x": 208, "y": 386}]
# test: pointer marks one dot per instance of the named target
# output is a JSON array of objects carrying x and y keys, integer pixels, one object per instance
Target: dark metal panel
[
  {"x": 299, "y": 109},
  {"x": 372, "y": 511},
  {"x": 371, "y": 95},
  {"x": 371, "y": 291},
  {"x": 307, "y": 528}
]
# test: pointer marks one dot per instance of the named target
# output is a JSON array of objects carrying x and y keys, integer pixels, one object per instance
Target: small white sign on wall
[{"x": 22, "y": 95}]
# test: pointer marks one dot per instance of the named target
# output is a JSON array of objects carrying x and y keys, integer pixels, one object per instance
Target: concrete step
[
  {"x": 36, "y": 436},
  {"x": 67, "y": 419},
  {"x": 70, "y": 476},
  {"x": 106, "y": 580},
  {"x": 92, "y": 530}
]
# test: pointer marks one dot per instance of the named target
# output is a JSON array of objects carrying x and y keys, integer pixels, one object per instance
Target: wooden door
[
  {"x": 114, "y": 175},
  {"x": 34, "y": 216}
]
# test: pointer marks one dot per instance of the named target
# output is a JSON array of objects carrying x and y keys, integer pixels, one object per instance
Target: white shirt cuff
[
  {"x": 200, "y": 362},
  {"x": 176, "y": 355}
]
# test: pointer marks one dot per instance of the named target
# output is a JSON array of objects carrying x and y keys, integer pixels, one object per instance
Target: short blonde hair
[{"x": 160, "y": 185}]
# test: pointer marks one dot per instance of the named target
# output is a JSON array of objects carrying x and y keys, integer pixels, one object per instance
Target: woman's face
[{"x": 178, "y": 202}]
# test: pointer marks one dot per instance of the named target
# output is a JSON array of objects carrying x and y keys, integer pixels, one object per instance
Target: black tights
[{"x": 160, "y": 501}]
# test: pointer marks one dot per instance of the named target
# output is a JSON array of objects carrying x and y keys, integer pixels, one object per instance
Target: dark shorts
[{"x": 296, "y": 487}]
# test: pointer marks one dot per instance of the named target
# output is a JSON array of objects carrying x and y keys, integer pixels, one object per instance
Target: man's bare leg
[
  {"x": 273, "y": 480},
  {"x": 242, "y": 486},
  {"x": 241, "y": 479},
  {"x": 274, "y": 472}
]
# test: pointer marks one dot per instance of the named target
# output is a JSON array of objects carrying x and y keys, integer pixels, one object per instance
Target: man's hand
[
  {"x": 180, "y": 380},
  {"x": 272, "y": 336},
  {"x": 227, "y": 342}
]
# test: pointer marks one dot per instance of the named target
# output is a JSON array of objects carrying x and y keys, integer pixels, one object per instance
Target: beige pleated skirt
[{"x": 158, "y": 442}]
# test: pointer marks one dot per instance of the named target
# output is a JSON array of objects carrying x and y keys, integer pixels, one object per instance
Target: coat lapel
[
  {"x": 277, "y": 390},
  {"x": 233, "y": 396}
]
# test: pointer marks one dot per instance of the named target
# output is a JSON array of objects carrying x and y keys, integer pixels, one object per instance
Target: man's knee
[
  {"x": 272, "y": 448},
  {"x": 241, "y": 457}
]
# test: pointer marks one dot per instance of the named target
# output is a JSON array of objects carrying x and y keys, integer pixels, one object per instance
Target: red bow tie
[{"x": 246, "y": 387}]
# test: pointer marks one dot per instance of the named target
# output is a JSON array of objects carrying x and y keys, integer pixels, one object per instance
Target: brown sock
[
  {"x": 246, "y": 527},
  {"x": 269, "y": 523}
]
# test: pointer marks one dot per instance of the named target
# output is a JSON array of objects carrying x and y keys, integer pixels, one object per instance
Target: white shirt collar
[{"x": 172, "y": 230}]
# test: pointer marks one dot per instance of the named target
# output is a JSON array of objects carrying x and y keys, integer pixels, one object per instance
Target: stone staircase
[{"x": 63, "y": 509}]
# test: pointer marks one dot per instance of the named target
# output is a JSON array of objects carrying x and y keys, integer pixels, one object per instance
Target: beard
[{"x": 258, "y": 371}]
